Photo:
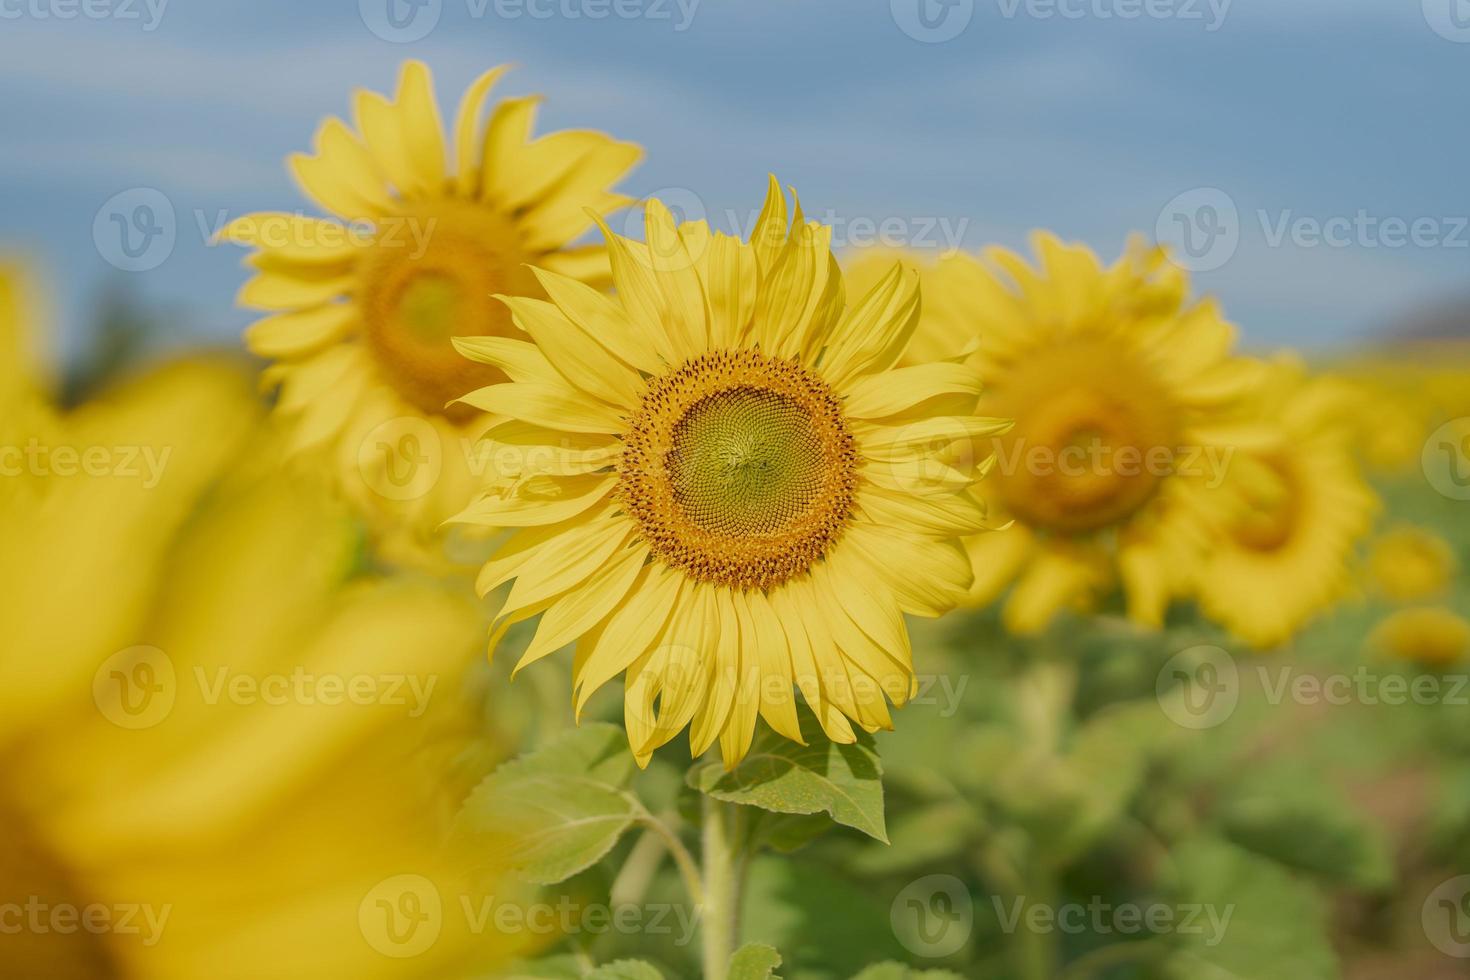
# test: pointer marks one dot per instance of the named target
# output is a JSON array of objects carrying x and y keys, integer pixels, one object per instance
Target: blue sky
[{"x": 1088, "y": 117}]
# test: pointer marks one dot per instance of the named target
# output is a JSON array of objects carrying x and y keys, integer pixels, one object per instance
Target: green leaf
[
  {"x": 1314, "y": 830},
  {"x": 897, "y": 971},
  {"x": 1256, "y": 920},
  {"x": 754, "y": 961},
  {"x": 557, "y": 811},
  {"x": 843, "y": 781},
  {"x": 626, "y": 970},
  {"x": 551, "y": 968}
]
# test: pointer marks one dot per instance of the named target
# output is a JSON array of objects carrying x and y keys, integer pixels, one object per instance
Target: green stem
[
  {"x": 724, "y": 870},
  {"x": 1036, "y": 952}
]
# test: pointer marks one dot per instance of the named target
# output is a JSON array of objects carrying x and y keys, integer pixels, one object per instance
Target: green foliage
[
  {"x": 625, "y": 970},
  {"x": 897, "y": 971},
  {"x": 754, "y": 961},
  {"x": 557, "y": 811},
  {"x": 843, "y": 781}
]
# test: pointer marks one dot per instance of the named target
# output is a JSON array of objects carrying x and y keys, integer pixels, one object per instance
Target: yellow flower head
[
  {"x": 242, "y": 833},
  {"x": 1432, "y": 637},
  {"x": 1120, "y": 388},
  {"x": 1285, "y": 553},
  {"x": 1408, "y": 563},
  {"x": 727, "y": 485},
  {"x": 364, "y": 309}
]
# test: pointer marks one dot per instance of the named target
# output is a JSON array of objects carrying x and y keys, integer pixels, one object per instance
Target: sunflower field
[{"x": 549, "y": 575}]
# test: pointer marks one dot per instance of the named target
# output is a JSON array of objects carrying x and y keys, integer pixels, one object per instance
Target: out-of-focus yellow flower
[
  {"x": 1408, "y": 563},
  {"x": 1121, "y": 388},
  {"x": 728, "y": 491},
  {"x": 364, "y": 309},
  {"x": 1433, "y": 636},
  {"x": 212, "y": 731},
  {"x": 1285, "y": 555}
]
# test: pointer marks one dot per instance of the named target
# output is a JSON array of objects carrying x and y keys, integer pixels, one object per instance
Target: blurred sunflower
[
  {"x": 363, "y": 312},
  {"x": 152, "y": 824},
  {"x": 1431, "y": 637},
  {"x": 1285, "y": 555},
  {"x": 1406, "y": 563},
  {"x": 1122, "y": 390},
  {"x": 726, "y": 485}
]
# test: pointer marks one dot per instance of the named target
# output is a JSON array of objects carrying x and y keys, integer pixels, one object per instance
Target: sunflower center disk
[
  {"x": 1094, "y": 439},
  {"x": 430, "y": 276},
  {"x": 739, "y": 469}
]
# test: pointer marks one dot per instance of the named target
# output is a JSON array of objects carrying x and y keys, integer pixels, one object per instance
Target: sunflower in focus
[
  {"x": 1286, "y": 553},
  {"x": 1122, "y": 389},
  {"x": 154, "y": 825},
  {"x": 727, "y": 488},
  {"x": 364, "y": 306},
  {"x": 1431, "y": 637},
  {"x": 1406, "y": 563}
]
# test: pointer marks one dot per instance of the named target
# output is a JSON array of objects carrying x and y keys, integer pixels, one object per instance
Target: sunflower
[
  {"x": 1407, "y": 563},
  {"x": 1432, "y": 637},
  {"x": 363, "y": 309},
  {"x": 1122, "y": 390},
  {"x": 1285, "y": 555},
  {"x": 153, "y": 826},
  {"x": 725, "y": 486}
]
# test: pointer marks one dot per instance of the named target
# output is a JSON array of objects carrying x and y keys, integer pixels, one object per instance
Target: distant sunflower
[
  {"x": 727, "y": 486},
  {"x": 364, "y": 312},
  {"x": 1285, "y": 556},
  {"x": 1121, "y": 389},
  {"x": 1432, "y": 637},
  {"x": 1406, "y": 563}
]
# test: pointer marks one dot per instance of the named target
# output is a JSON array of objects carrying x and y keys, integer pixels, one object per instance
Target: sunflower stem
[{"x": 724, "y": 871}]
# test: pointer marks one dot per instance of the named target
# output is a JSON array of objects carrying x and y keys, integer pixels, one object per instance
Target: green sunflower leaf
[
  {"x": 555, "y": 812},
  {"x": 625, "y": 970},
  {"x": 1245, "y": 916},
  {"x": 843, "y": 781},
  {"x": 897, "y": 971},
  {"x": 754, "y": 961}
]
